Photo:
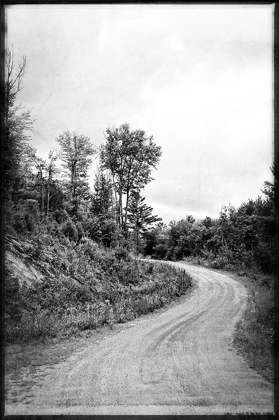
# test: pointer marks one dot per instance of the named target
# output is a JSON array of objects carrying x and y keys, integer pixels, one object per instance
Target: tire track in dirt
[{"x": 180, "y": 361}]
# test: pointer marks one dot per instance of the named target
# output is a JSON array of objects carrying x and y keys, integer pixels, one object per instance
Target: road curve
[{"x": 180, "y": 361}]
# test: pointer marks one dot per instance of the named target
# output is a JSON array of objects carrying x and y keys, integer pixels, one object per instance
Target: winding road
[{"x": 180, "y": 361}]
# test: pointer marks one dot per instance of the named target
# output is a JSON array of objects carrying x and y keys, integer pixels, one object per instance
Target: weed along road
[{"x": 176, "y": 361}]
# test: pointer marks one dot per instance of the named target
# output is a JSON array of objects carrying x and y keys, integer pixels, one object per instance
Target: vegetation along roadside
[
  {"x": 86, "y": 287},
  {"x": 254, "y": 333},
  {"x": 72, "y": 249}
]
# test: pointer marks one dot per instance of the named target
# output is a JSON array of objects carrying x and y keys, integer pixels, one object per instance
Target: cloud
[{"x": 199, "y": 78}]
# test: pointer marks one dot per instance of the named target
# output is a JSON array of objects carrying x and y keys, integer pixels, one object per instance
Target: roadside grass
[
  {"x": 58, "y": 308},
  {"x": 40, "y": 353},
  {"x": 50, "y": 350},
  {"x": 254, "y": 333}
]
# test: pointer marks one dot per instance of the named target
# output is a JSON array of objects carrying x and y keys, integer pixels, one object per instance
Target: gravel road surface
[{"x": 180, "y": 361}]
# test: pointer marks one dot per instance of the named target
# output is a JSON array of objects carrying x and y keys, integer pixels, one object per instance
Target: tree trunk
[
  {"x": 116, "y": 202},
  {"x": 120, "y": 193},
  {"x": 120, "y": 210},
  {"x": 126, "y": 214},
  {"x": 48, "y": 199},
  {"x": 72, "y": 185},
  {"x": 42, "y": 194}
]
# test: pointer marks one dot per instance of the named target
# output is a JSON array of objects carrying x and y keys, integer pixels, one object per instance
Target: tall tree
[
  {"x": 51, "y": 170},
  {"x": 103, "y": 209},
  {"x": 40, "y": 166},
  {"x": 43, "y": 175},
  {"x": 140, "y": 216},
  {"x": 76, "y": 155},
  {"x": 18, "y": 122},
  {"x": 13, "y": 79},
  {"x": 130, "y": 157},
  {"x": 102, "y": 199}
]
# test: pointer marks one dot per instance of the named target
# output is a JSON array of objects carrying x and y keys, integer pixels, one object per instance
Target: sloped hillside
[
  {"x": 57, "y": 288},
  {"x": 29, "y": 264}
]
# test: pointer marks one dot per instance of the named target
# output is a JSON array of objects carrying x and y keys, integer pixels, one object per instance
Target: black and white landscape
[{"x": 139, "y": 209}]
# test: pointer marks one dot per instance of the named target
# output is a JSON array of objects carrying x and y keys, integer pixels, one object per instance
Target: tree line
[
  {"x": 42, "y": 194},
  {"x": 241, "y": 237},
  {"x": 83, "y": 241},
  {"x": 53, "y": 195}
]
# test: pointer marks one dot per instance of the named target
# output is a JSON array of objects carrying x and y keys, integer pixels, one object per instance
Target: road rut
[{"x": 180, "y": 361}]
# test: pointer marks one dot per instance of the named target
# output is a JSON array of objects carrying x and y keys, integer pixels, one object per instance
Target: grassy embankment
[
  {"x": 254, "y": 333},
  {"x": 254, "y": 336},
  {"x": 90, "y": 287}
]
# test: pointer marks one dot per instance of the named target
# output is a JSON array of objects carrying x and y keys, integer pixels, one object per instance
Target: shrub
[
  {"x": 110, "y": 289},
  {"x": 265, "y": 259},
  {"x": 121, "y": 253},
  {"x": 69, "y": 229}
]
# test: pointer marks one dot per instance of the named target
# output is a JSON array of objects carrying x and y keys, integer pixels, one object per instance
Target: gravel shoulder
[{"x": 179, "y": 360}]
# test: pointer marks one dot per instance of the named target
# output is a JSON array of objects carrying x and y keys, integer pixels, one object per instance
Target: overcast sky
[{"x": 198, "y": 78}]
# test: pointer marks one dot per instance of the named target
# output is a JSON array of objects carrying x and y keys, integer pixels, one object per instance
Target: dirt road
[{"x": 180, "y": 361}]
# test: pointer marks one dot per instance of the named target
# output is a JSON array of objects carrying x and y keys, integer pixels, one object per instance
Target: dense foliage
[
  {"x": 93, "y": 276},
  {"x": 55, "y": 192},
  {"x": 91, "y": 286},
  {"x": 129, "y": 156},
  {"x": 41, "y": 192},
  {"x": 239, "y": 238}
]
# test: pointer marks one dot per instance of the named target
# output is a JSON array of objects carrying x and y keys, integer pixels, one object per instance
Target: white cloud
[{"x": 199, "y": 78}]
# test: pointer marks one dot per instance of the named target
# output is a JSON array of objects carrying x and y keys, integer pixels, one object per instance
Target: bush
[
  {"x": 254, "y": 335},
  {"x": 111, "y": 287},
  {"x": 265, "y": 259},
  {"x": 121, "y": 253},
  {"x": 69, "y": 229}
]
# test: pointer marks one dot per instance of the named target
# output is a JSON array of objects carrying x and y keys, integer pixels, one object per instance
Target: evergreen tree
[
  {"x": 102, "y": 199},
  {"x": 140, "y": 217}
]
